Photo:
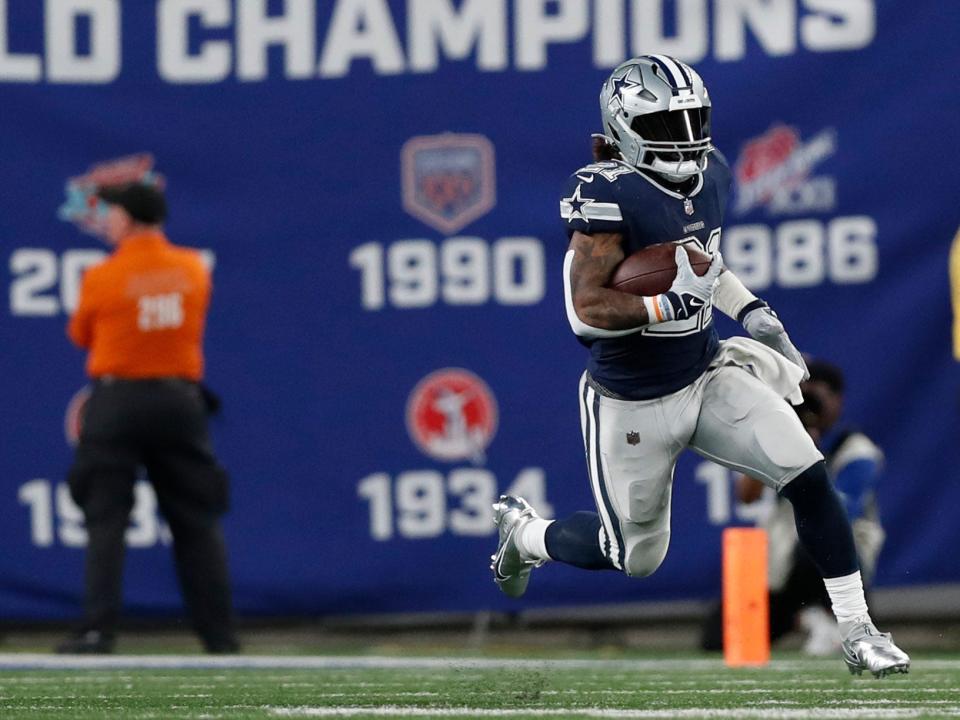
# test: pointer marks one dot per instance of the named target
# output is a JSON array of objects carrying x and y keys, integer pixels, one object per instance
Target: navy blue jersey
[{"x": 610, "y": 197}]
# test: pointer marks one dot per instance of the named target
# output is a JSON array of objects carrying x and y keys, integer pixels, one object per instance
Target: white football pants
[{"x": 727, "y": 415}]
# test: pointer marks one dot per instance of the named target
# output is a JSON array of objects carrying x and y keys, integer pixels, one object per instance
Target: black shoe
[{"x": 90, "y": 642}]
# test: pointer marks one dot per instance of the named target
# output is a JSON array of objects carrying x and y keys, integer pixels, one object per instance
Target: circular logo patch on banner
[
  {"x": 73, "y": 420},
  {"x": 452, "y": 415}
]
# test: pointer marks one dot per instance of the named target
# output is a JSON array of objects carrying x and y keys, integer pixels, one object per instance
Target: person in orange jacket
[{"x": 141, "y": 317}]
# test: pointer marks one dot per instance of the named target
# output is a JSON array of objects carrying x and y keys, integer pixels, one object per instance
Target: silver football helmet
[{"x": 656, "y": 111}]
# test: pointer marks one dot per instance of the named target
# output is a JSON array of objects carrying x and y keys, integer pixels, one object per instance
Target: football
[{"x": 652, "y": 269}]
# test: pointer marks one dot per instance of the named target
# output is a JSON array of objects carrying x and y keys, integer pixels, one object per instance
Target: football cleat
[
  {"x": 866, "y": 648},
  {"x": 511, "y": 571}
]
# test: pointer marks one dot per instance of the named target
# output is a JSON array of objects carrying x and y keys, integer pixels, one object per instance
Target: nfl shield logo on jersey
[
  {"x": 448, "y": 180},
  {"x": 452, "y": 415}
]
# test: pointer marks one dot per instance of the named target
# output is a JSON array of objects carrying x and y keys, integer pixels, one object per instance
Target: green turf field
[{"x": 370, "y": 687}]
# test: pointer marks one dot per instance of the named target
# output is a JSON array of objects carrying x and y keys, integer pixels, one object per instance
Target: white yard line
[
  {"x": 38, "y": 661},
  {"x": 123, "y": 662},
  {"x": 768, "y": 688},
  {"x": 736, "y": 713}
]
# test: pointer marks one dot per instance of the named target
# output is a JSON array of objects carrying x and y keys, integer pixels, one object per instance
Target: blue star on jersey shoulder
[
  {"x": 577, "y": 205},
  {"x": 589, "y": 204}
]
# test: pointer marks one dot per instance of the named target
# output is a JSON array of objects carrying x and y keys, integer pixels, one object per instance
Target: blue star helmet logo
[{"x": 623, "y": 83}]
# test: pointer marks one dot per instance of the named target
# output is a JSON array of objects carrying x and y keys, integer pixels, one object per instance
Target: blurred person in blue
[
  {"x": 798, "y": 599},
  {"x": 855, "y": 464}
]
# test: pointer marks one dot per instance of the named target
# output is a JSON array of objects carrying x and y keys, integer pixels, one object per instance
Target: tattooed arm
[{"x": 589, "y": 265}]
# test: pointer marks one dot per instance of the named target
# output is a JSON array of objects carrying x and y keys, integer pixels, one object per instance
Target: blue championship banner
[{"x": 376, "y": 185}]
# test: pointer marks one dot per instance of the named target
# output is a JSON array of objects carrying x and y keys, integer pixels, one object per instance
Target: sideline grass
[{"x": 366, "y": 687}]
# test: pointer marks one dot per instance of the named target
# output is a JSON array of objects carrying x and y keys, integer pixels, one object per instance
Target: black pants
[{"x": 160, "y": 425}]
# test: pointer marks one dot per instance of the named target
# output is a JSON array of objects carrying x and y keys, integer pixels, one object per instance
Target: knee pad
[
  {"x": 645, "y": 555},
  {"x": 647, "y": 501},
  {"x": 788, "y": 449}
]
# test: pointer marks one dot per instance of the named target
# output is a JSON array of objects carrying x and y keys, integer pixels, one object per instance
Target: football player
[{"x": 659, "y": 379}]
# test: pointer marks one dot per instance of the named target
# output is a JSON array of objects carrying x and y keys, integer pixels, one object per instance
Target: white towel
[{"x": 767, "y": 365}]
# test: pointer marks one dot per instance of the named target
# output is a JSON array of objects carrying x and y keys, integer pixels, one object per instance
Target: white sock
[
  {"x": 532, "y": 539},
  {"x": 846, "y": 595}
]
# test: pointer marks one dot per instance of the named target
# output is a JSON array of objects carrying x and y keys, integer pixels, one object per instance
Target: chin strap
[
  {"x": 676, "y": 172},
  {"x": 606, "y": 138},
  {"x": 676, "y": 179}
]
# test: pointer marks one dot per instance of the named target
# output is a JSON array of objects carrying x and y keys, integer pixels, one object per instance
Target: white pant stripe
[{"x": 593, "y": 468}]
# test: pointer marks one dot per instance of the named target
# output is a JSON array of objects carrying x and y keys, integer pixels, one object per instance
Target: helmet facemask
[
  {"x": 676, "y": 141},
  {"x": 657, "y": 112}
]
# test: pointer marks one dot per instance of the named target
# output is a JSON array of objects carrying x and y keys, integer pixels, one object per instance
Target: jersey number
[
  {"x": 160, "y": 312},
  {"x": 699, "y": 321}
]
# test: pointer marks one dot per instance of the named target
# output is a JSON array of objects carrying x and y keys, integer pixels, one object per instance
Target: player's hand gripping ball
[{"x": 652, "y": 270}]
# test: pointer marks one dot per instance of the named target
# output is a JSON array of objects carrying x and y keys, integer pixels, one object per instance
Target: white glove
[
  {"x": 763, "y": 324},
  {"x": 688, "y": 293}
]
